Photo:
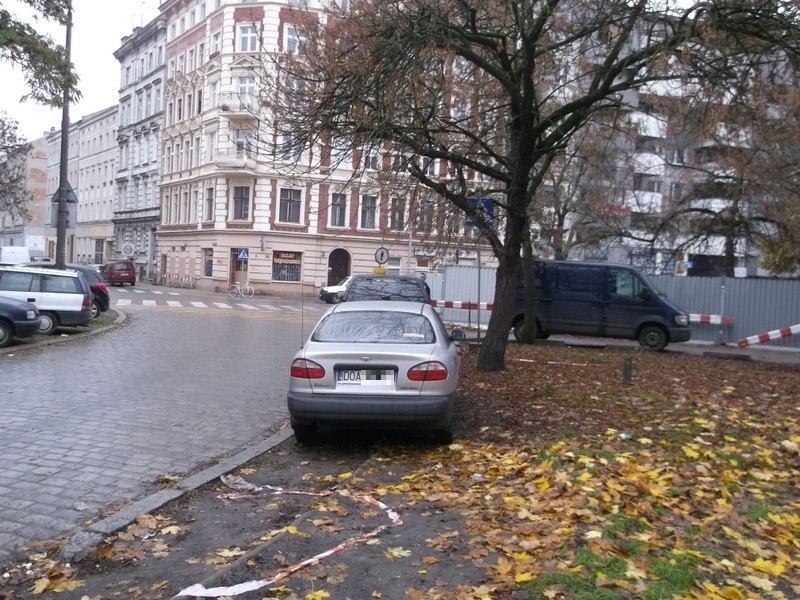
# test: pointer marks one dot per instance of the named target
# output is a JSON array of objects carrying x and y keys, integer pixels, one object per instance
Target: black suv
[
  {"x": 385, "y": 287},
  {"x": 101, "y": 301}
]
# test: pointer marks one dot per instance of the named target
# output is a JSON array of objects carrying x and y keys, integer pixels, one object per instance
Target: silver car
[{"x": 376, "y": 364}]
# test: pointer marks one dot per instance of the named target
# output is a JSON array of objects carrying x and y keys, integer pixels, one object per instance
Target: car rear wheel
[
  {"x": 95, "y": 309},
  {"x": 6, "y": 334},
  {"x": 305, "y": 434},
  {"x": 653, "y": 337},
  {"x": 49, "y": 323}
]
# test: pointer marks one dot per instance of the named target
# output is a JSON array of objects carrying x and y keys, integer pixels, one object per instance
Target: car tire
[
  {"x": 6, "y": 334},
  {"x": 96, "y": 310},
  {"x": 443, "y": 436},
  {"x": 133, "y": 283},
  {"x": 305, "y": 434},
  {"x": 518, "y": 330},
  {"x": 49, "y": 323},
  {"x": 653, "y": 337}
]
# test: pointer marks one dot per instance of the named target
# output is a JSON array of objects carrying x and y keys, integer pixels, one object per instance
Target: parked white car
[
  {"x": 63, "y": 297},
  {"x": 330, "y": 293}
]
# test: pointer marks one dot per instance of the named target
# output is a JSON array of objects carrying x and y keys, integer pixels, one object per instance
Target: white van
[
  {"x": 62, "y": 297},
  {"x": 14, "y": 255}
]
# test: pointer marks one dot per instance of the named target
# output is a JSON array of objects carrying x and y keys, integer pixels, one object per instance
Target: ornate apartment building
[
  {"x": 30, "y": 230},
  {"x": 236, "y": 201},
  {"x": 141, "y": 113}
]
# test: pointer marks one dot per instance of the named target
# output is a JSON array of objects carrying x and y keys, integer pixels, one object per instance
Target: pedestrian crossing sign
[{"x": 244, "y": 253}]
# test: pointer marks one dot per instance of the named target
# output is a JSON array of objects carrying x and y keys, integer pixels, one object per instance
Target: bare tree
[
  {"x": 496, "y": 90},
  {"x": 13, "y": 178}
]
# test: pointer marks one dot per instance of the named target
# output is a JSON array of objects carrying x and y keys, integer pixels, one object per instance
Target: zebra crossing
[{"x": 167, "y": 299}]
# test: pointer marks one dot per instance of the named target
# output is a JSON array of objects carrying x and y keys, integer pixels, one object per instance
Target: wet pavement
[{"x": 96, "y": 423}]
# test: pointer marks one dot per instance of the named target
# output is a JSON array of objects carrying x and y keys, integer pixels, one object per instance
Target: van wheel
[
  {"x": 653, "y": 337},
  {"x": 6, "y": 333},
  {"x": 518, "y": 330},
  {"x": 49, "y": 323}
]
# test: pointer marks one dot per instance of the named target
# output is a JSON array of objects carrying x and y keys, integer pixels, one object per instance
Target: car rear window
[
  {"x": 385, "y": 288},
  {"x": 122, "y": 266},
  {"x": 59, "y": 284},
  {"x": 371, "y": 327}
]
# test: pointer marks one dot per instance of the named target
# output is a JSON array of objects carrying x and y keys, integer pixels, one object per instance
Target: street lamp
[{"x": 63, "y": 184}]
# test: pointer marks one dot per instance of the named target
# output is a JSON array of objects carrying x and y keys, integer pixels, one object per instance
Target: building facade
[
  {"x": 238, "y": 202},
  {"x": 32, "y": 228},
  {"x": 141, "y": 113}
]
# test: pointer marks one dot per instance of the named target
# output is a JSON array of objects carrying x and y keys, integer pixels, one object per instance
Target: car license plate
[{"x": 378, "y": 377}]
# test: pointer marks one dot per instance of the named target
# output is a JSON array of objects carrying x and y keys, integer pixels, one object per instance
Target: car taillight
[
  {"x": 102, "y": 285},
  {"x": 87, "y": 303},
  {"x": 428, "y": 371},
  {"x": 306, "y": 369}
]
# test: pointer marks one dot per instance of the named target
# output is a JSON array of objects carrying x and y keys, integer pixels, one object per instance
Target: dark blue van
[{"x": 602, "y": 299}]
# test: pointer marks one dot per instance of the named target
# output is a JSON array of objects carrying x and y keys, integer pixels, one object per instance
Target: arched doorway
[{"x": 338, "y": 266}]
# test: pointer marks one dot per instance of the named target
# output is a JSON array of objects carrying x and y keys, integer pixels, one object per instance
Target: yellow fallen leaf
[
  {"x": 171, "y": 530},
  {"x": 759, "y": 582},
  {"x": 523, "y": 577},
  {"x": 40, "y": 585},
  {"x": 731, "y": 593},
  {"x": 318, "y": 595},
  {"x": 768, "y": 567},
  {"x": 230, "y": 552},
  {"x": 690, "y": 452},
  {"x": 346, "y": 475},
  {"x": 397, "y": 552}
]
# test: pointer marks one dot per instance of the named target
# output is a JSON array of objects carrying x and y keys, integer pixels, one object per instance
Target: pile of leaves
[
  {"x": 684, "y": 482},
  {"x": 577, "y": 473}
]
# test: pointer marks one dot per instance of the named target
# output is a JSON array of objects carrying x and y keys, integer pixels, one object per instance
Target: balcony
[
  {"x": 243, "y": 105},
  {"x": 238, "y": 161}
]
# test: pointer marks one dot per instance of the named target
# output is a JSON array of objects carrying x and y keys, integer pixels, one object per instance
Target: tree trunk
[{"x": 493, "y": 349}]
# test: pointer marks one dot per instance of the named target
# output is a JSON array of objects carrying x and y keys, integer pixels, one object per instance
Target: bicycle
[{"x": 240, "y": 290}]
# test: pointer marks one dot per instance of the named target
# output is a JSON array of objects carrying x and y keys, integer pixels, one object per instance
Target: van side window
[
  {"x": 17, "y": 282},
  {"x": 579, "y": 278},
  {"x": 624, "y": 283}
]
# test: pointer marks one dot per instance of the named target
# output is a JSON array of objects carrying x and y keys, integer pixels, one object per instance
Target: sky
[{"x": 97, "y": 31}]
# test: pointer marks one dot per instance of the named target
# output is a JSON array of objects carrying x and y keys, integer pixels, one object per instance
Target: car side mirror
[{"x": 457, "y": 335}]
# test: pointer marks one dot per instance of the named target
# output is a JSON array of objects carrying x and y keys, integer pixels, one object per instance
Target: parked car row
[{"x": 36, "y": 293}]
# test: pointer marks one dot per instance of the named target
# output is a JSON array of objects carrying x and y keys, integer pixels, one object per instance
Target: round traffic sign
[
  {"x": 381, "y": 255},
  {"x": 127, "y": 249}
]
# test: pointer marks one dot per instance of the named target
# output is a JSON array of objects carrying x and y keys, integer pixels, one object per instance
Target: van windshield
[{"x": 653, "y": 287}]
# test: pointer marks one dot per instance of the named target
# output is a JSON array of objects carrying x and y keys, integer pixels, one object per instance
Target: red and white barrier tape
[
  {"x": 244, "y": 487},
  {"x": 467, "y": 304},
  {"x": 711, "y": 319},
  {"x": 769, "y": 335}
]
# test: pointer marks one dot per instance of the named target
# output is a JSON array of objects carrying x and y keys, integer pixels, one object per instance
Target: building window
[
  {"x": 294, "y": 39},
  {"x": 241, "y": 203},
  {"x": 209, "y": 212},
  {"x": 244, "y": 142},
  {"x": 286, "y": 266},
  {"x": 248, "y": 38},
  {"x": 290, "y": 148},
  {"x": 208, "y": 262},
  {"x": 289, "y": 211},
  {"x": 397, "y": 214},
  {"x": 369, "y": 208},
  {"x": 247, "y": 91},
  {"x": 216, "y": 42},
  {"x": 425, "y": 218},
  {"x": 338, "y": 210},
  {"x": 370, "y": 155}
]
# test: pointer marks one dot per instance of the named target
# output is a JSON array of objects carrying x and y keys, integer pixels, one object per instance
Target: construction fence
[{"x": 753, "y": 305}]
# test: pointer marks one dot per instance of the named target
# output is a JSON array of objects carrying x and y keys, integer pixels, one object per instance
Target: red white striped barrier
[
  {"x": 769, "y": 335},
  {"x": 462, "y": 304},
  {"x": 712, "y": 319}
]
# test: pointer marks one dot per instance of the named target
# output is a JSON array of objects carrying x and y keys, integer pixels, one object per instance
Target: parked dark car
[
  {"x": 18, "y": 319},
  {"x": 385, "y": 287},
  {"x": 119, "y": 272},
  {"x": 101, "y": 301}
]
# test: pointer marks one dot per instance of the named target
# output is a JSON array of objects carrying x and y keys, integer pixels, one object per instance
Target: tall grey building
[{"x": 136, "y": 212}]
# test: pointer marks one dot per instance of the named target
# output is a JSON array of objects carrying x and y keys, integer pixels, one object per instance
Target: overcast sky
[{"x": 98, "y": 28}]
